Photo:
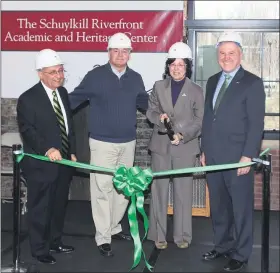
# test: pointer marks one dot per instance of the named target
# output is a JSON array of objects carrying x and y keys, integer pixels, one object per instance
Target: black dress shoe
[
  {"x": 122, "y": 236},
  {"x": 234, "y": 265},
  {"x": 105, "y": 250},
  {"x": 61, "y": 249},
  {"x": 213, "y": 255},
  {"x": 46, "y": 259}
]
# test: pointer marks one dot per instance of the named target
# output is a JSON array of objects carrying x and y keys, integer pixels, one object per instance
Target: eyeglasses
[
  {"x": 55, "y": 72},
  {"x": 181, "y": 66}
]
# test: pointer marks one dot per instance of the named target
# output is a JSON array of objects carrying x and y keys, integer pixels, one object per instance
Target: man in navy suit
[
  {"x": 46, "y": 127},
  {"x": 232, "y": 132}
]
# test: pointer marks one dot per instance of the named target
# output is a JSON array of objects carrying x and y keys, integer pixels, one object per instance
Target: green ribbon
[
  {"x": 20, "y": 156},
  {"x": 208, "y": 168},
  {"x": 132, "y": 182}
]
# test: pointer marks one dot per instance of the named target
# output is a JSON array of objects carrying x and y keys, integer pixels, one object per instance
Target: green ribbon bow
[{"x": 132, "y": 183}]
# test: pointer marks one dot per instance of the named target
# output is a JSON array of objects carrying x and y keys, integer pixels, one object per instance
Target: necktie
[
  {"x": 222, "y": 92},
  {"x": 59, "y": 115}
]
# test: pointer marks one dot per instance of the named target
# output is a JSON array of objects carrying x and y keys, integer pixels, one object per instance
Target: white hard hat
[
  {"x": 230, "y": 37},
  {"x": 47, "y": 58},
  {"x": 179, "y": 50},
  {"x": 119, "y": 40}
]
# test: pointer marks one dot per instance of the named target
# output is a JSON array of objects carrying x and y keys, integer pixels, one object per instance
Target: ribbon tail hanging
[
  {"x": 134, "y": 230},
  {"x": 141, "y": 210}
]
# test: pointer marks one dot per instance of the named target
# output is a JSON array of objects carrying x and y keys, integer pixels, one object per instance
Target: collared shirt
[
  {"x": 50, "y": 95},
  {"x": 221, "y": 81},
  {"x": 119, "y": 74}
]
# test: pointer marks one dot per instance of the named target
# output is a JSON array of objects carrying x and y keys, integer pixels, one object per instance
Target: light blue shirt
[
  {"x": 119, "y": 74},
  {"x": 220, "y": 83}
]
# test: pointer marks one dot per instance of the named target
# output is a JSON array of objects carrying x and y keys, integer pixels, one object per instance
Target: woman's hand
[
  {"x": 177, "y": 138},
  {"x": 163, "y": 117}
]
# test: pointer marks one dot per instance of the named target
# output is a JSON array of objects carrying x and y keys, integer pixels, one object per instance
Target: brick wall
[
  {"x": 142, "y": 158},
  {"x": 274, "y": 180}
]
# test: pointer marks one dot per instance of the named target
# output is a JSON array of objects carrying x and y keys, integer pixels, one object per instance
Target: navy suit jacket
[
  {"x": 40, "y": 131},
  {"x": 237, "y": 127}
]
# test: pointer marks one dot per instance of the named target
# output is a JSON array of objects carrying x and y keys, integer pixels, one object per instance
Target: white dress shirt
[{"x": 50, "y": 95}]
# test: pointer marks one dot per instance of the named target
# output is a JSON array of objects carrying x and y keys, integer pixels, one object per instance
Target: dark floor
[{"x": 79, "y": 232}]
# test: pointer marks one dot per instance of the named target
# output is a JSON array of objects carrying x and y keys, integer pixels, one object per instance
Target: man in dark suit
[
  {"x": 232, "y": 132},
  {"x": 45, "y": 124}
]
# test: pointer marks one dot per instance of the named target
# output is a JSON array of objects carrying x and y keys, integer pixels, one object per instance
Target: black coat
[
  {"x": 40, "y": 130},
  {"x": 237, "y": 128}
]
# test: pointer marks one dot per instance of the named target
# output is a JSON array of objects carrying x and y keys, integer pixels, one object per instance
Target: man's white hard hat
[
  {"x": 179, "y": 50},
  {"x": 47, "y": 58},
  {"x": 230, "y": 37},
  {"x": 119, "y": 40}
]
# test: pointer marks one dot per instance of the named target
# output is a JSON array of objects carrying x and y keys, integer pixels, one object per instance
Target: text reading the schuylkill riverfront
[{"x": 77, "y": 30}]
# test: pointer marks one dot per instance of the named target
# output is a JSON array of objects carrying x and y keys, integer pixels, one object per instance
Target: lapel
[
  {"x": 46, "y": 103},
  {"x": 212, "y": 89},
  {"x": 181, "y": 100},
  {"x": 167, "y": 97}
]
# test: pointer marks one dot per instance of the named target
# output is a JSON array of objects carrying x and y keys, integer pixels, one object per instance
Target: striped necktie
[
  {"x": 222, "y": 92},
  {"x": 59, "y": 115}
]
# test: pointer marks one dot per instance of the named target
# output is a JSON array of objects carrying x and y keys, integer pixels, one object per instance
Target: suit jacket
[
  {"x": 186, "y": 117},
  {"x": 39, "y": 129},
  {"x": 237, "y": 127}
]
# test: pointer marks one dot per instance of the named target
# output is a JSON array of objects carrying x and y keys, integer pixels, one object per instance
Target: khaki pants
[{"x": 108, "y": 206}]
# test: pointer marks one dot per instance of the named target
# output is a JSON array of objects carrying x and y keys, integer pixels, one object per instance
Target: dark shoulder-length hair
[{"x": 188, "y": 63}]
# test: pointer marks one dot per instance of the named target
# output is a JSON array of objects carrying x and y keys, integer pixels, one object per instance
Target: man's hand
[
  {"x": 53, "y": 154},
  {"x": 177, "y": 138},
  {"x": 163, "y": 117},
  {"x": 73, "y": 158},
  {"x": 244, "y": 170},
  {"x": 202, "y": 160}
]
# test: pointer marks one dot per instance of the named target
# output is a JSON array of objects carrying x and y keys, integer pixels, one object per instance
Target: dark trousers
[
  {"x": 46, "y": 204},
  {"x": 232, "y": 206}
]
